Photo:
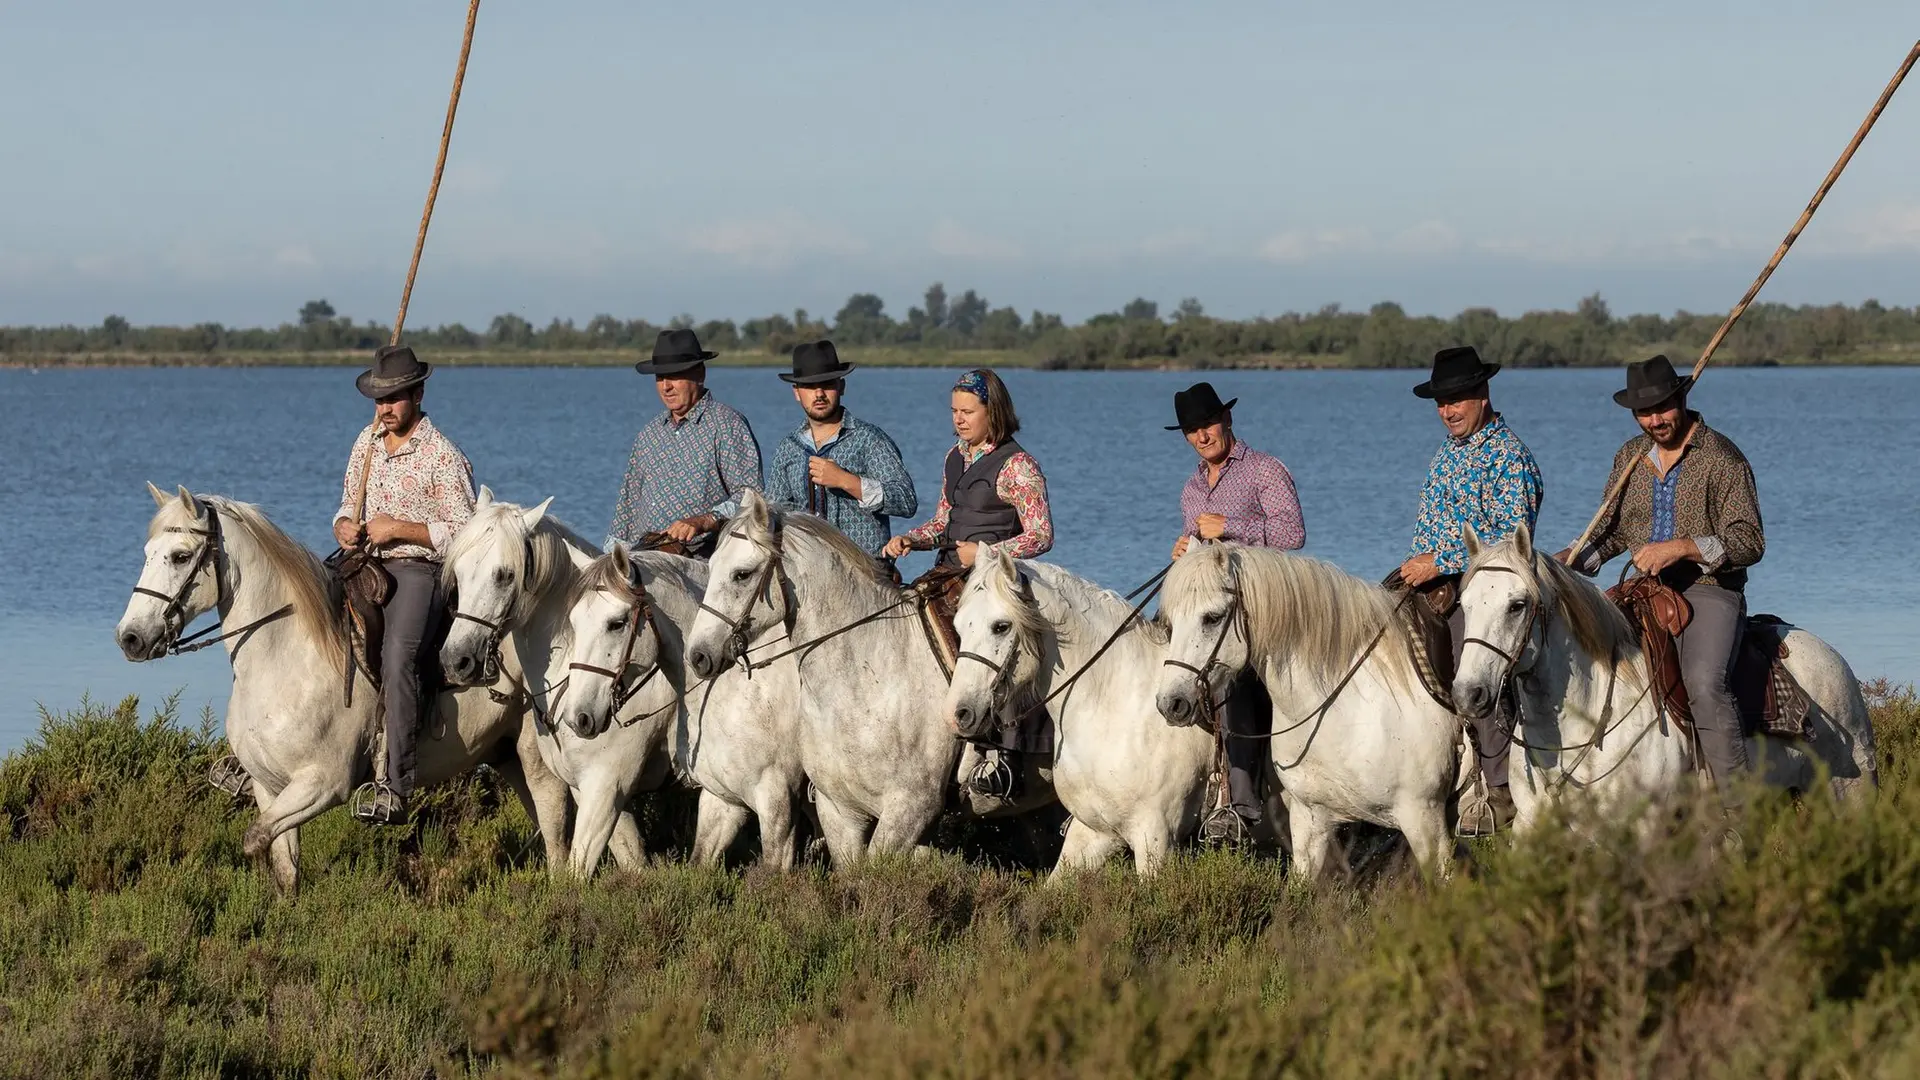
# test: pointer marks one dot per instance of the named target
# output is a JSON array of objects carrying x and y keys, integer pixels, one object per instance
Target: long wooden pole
[
  {"x": 1713, "y": 344},
  {"x": 439, "y": 166}
]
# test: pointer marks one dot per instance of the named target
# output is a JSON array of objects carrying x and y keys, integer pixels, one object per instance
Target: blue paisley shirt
[
  {"x": 1487, "y": 480},
  {"x": 886, "y": 491},
  {"x": 696, "y": 466}
]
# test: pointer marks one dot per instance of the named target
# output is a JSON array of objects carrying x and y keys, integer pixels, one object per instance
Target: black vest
[{"x": 977, "y": 512}]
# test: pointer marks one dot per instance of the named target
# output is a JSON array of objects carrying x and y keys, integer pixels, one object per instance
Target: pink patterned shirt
[
  {"x": 1254, "y": 493},
  {"x": 427, "y": 480},
  {"x": 1020, "y": 485}
]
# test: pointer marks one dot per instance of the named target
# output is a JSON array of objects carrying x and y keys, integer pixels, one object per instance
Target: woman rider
[{"x": 993, "y": 494}]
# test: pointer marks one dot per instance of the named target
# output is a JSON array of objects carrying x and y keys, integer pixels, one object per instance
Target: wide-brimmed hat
[
  {"x": 1651, "y": 382},
  {"x": 816, "y": 362},
  {"x": 674, "y": 351},
  {"x": 1197, "y": 406},
  {"x": 394, "y": 369},
  {"x": 1455, "y": 371}
]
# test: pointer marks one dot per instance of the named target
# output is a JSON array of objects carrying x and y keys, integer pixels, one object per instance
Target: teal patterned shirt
[{"x": 1487, "y": 480}]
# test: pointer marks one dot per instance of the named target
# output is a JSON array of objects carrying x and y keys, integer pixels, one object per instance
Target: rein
[
  {"x": 638, "y": 611},
  {"x": 210, "y": 550}
]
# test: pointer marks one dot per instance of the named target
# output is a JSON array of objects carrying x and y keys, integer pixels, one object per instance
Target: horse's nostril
[
  {"x": 702, "y": 662},
  {"x": 130, "y": 642},
  {"x": 963, "y": 716},
  {"x": 463, "y": 664}
]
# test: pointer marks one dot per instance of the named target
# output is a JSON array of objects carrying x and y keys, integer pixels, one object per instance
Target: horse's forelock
[
  {"x": 1197, "y": 579},
  {"x": 1029, "y": 625}
]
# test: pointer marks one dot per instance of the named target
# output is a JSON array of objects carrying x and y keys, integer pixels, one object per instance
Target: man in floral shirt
[
  {"x": 419, "y": 491},
  {"x": 1482, "y": 476}
]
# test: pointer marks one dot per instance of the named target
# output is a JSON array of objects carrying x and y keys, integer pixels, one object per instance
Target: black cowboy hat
[
  {"x": 1651, "y": 382},
  {"x": 1197, "y": 406},
  {"x": 816, "y": 362},
  {"x": 674, "y": 351},
  {"x": 1455, "y": 371},
  {"x": 394, "y": 369}
]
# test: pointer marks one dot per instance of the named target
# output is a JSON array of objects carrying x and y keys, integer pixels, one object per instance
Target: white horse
[
  {"x": 511, "y": 571},
  {"x": 1355, "y": 737},
  {"x": 736, "y": 737},
  {"x": 870, "y": 738},
  {"x": 1586, "y": 718},
  {"x": 1128, "y": 777},
  {"x": 287, "y": 720}
]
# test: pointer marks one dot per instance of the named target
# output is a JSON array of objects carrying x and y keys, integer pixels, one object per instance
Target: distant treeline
[{"x": 1137, "y": 334}]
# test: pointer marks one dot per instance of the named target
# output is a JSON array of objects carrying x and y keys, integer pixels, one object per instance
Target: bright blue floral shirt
[{"x": 1487, "y": 480}]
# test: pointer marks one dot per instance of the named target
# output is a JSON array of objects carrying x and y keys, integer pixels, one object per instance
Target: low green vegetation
[
  {"x": 135, "y": 940},
  {"x": 968, "y": 331}
]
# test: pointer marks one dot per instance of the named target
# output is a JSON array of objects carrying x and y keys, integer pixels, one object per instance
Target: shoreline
[{"x": 865, "y": 357}]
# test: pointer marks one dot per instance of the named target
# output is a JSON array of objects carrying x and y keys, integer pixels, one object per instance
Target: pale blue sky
[{"x": 225, "y": 161}]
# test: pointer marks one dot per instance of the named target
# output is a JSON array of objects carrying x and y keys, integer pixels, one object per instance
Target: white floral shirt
[{"x": 427, "y": 480}]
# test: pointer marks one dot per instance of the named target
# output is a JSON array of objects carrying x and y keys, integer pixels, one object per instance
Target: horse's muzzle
[
  {"x": 133, "y": 646},
  {"x": 1178, "y": 707},
  {"x": 704, "y": 662},
  {"x": 972, "y": 723},
  {"x": 1474, "y": 701}
]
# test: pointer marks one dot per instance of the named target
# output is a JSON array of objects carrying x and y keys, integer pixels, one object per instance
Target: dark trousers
[
  {"x": 413, "y": 612},
  {"x": 1492, "y": 734},
  {"x": 1707, "y": 650},
  {"x": 1249, "y": 712}
]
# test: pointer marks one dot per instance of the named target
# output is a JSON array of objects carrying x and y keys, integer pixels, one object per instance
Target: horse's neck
[
  {"x": 1127, "y": 667},
  {"x": 251, "y": 592},
  {"x": 1570, "y": 694},
  {"x": 829, "y": 595}
]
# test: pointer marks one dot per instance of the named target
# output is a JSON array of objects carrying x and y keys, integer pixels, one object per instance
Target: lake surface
[{"x": 1835, "y": 451}]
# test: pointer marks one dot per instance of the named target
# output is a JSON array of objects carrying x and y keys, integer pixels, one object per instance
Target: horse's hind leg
[
  {"x": 306, "y": 796},
  {"x": 720, "y": 822}
]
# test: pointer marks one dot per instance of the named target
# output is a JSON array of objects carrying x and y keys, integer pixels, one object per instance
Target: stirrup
[
  {"x": 1225, "y": 828},
  {"x": 377, "y": 804},
  {"x": 230, "y": 778},
  {"x": 992, "y": 777}
]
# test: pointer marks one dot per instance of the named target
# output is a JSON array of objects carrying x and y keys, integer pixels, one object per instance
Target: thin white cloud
[
  {"x": 770, "y": 243},
  {"x": 1300, "y": 245},
  {"x": 1889, "y": 227},
  {"x": 295, "y": 257},
  {"x": 951, "y": 240}
]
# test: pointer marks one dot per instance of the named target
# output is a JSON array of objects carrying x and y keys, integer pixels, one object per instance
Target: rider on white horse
[
  {"x": 1482, "y": 476},
  {"x": 1238, "y": 494},
  {"x": 418, "y": 492},
  {"x": 1691, "y": 517}
]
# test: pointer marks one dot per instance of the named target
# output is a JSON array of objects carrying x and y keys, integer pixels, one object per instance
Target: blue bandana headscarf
[{"x": 973, "y": 383}]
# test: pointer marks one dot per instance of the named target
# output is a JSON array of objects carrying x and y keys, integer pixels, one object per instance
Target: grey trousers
[
  {"x": 1249, "y": 711},
  {"x": 406, "y": 652},
  {"x": 1492, "y": 734},
  {"x": 1708, "y": 647}
]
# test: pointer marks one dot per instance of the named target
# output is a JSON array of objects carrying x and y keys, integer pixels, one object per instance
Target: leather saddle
[
  {"x": 365, "y": 587},
  {"x": 1429, "y": 639}
]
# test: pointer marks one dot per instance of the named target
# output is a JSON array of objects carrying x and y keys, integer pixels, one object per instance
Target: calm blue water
[{"x": 1834, "y": 449}]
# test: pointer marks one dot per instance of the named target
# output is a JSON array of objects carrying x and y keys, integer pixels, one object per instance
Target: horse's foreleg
[
  {"x": 845, "y": 833},
  {"x": 307, "y": 795},
  {"x": 900, "y": 827},
  {"x": 1085, "y": 848},
  {"x": 285, "y": 849},
  {"x": 594, "y": 824},
  {"x": 629, "y": 852},
  {"x": 773, "y": 804},
  {"x": 542, "y": 793},
  {"x": 1312, "y": 837},
  {"x": 1151, "y": 841},
  {"x": 1425, "y": 827},
  {"x": 720, "y": 822}
]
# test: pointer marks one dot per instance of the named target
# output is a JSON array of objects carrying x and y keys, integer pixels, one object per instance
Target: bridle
[
  {"x": 742, "y": 626},
  {"x": 1235, "y": 618},
  {"x": 1512, "y": 660},
  {"x": 172, "y": 617},
  {"x": 1003, "y": 669},
  {"x": 492, "y": 664},
  {"x": 639, "y": 610}
]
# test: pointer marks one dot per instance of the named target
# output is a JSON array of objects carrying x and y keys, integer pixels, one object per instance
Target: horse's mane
[
  {"x": 819, "y": 531},
  {"x": 303, "y": 579},
  {"x": 1324, "y": 616},
  {"x": 1597, "y": 623},
  {"x": 501, "y": 522},
  {"x": 1102, "y": 606}
]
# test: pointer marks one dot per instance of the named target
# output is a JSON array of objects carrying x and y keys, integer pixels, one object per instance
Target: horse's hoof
[{"x": 256, "y": 842}]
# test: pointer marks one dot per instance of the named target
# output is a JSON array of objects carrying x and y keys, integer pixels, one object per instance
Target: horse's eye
[
  {"x": 742, "y": 575},
  {"x": 614, "y": 626},
  {"x": 503, "y": 576},
  {"x": 1212, "y": 618},
  {"x": 1002, "y": 628},
  {"x": 1517, "y": 605},
  {"x": 179, "y": 558}
]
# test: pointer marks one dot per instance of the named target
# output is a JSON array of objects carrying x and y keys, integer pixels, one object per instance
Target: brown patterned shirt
[
  {"x": 1715, "y": 504},
  {"x": 427, "y": 480}
]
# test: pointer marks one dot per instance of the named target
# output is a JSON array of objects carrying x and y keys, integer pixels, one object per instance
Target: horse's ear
[
  {"x": 1003, "y": 562},
  {"x": 1472, "y": 540},
  {"x": 622, "y": 561},
  {"x": 531, "y": 516},
  {"x": 186, "y": 502},
  {"x": 753, "y": 507},
  {"x": 159, "y": 497},
  {"x": 486, "y": 498},
  {"x": 1523, "y": 542}
]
